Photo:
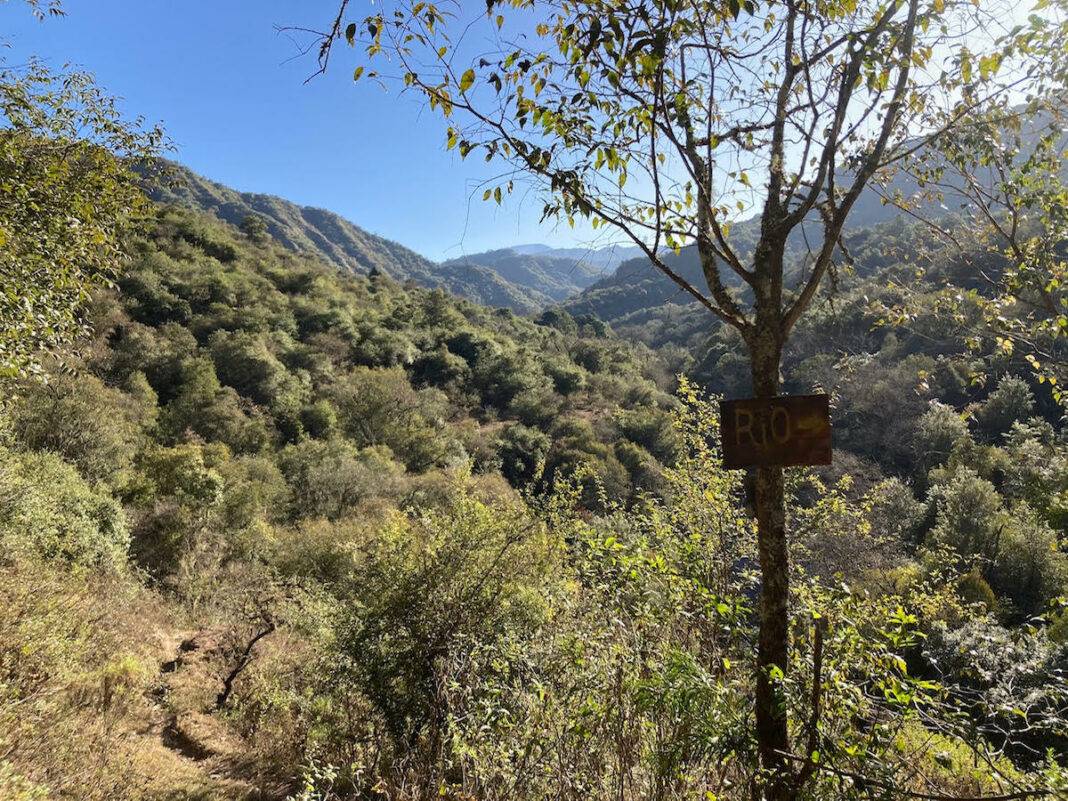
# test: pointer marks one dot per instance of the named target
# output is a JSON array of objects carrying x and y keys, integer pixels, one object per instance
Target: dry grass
[{"x": 85, "y": 707}]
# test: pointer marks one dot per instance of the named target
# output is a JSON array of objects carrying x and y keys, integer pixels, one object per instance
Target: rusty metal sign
[{"x": 787, "y": 431}]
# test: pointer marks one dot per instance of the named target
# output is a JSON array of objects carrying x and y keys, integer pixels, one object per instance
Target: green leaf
[
  {"x": 467, "y": 80},
  {"x": 358, "y": 72}
]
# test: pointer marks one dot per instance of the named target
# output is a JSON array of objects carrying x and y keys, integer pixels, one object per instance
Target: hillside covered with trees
[
  {"x": 283, "y": 505},
  {"x": 524, "y": 282},
  {"x": 287, "y": 515},
  {"x": 244, "y": 417}
]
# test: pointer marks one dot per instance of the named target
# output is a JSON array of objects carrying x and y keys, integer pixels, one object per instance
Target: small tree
[
  {"x": 1010, "y": 403},
  {"x": 68, "y": 196},
  {"x": 254, "y": 227},
  {"x": 668, "y": 120},
  {"x": 994, "y": 196}
]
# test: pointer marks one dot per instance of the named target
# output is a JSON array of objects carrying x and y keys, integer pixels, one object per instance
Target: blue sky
[{"x": 215, "y": 73}]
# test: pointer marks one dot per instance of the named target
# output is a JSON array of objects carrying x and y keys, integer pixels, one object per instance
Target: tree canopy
[
  {"x": 666, "y": 120},
  {"x": 68, "y": 196}
]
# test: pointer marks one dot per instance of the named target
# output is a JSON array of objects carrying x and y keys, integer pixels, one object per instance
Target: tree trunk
[{"x": 772, "y": 654}]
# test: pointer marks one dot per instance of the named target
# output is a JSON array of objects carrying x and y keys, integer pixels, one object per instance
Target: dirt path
[{"x": 195, "y": 756}]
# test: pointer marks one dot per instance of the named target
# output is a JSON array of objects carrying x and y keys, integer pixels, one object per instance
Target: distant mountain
[
  {"x": 637, "y": 292},
  {"x": 542, "y": 272},
  {"x": 608, "y": 257},
  {"x": 331, "y": 237},
  {"x": 300, "y": 228},
  {"x": 483, "y": 284},
  {"x": 636, "y": 288},
  {"x": 637, "y": 295},
  {"x": 639, "y": 301},
  {"x": 615, "y": 283}
]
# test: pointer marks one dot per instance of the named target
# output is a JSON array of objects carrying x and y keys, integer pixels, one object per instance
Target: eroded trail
[{"x": 198, "y": 758}]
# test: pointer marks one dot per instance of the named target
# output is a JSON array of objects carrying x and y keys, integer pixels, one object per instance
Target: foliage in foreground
[
  {"x": 489, "y": 649},
  {"x": 452, "y": 638},
  {"x": 68, "y": 197},
  {"x": 322, "y": 473}
]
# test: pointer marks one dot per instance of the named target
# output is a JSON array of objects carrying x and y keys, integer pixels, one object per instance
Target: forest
[{"x": 291, "y": 513}]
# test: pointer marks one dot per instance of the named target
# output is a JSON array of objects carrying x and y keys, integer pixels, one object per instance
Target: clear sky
[{"x": 215, "y": 73}]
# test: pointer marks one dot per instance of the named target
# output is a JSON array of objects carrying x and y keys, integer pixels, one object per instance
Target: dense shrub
[
  {"x": 332, "y": 478},
  {"x": 90, "y": 425},
  {"x": 522, "y": 451},
  {"x": 48, "y": 510},
  {"x": 1011, "y": 402}
]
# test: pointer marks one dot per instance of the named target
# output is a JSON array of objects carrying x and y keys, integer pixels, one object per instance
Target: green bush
[
  {"x": 939, "y": 431},
  {"x": 1030, "y": 568},
  {"x": 48, "y": 510},
  {"x": 177, "y": 493},
  {"x": 319, "y": 419},
  {"x": 652, "y": 429},
  {"x": 1011, "y": 402},
  {"x": 331, "y": 478},
  {"x": 536, "y": 407},
  {"x": 429, "y": 586},
  {"x": 968, "y": 513},
  {"x": 204, "y": 408},
  {"x": 567, "y": 379},
  {"x": 380, "y": 407},
  {"x": 92, "y": 426},
  {"x": 521, "y": 450},
  {"x": 974, "y": 589},
  {"x": 440, "y": 368}
]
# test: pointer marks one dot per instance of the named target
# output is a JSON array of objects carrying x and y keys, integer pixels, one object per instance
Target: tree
[
  {"x": 331, "y": 478},
  {"x": 1003, "y": 176},
  {"x": 92, "y": 426},
  {"x": 667, "y": 120},
  {"x": 968, "y": 512},
  {"x": 380, "y": 407},
  {"x": 254, "y": 227},
  {"x": 51, "y": 512},
  {"x": 938, "y": 431},
  {"x": 69, "y": 194},
  {"x": 522, "y": 452},
  {"x": 1011, "y": 402},
  {"x": 203, "y": 407}
]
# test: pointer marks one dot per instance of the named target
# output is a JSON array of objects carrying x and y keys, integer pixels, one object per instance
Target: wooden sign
[{"x": 786, "y": 431}]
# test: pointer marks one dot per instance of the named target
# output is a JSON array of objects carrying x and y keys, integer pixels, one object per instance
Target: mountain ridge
[{"x": 526, "y": 282}]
